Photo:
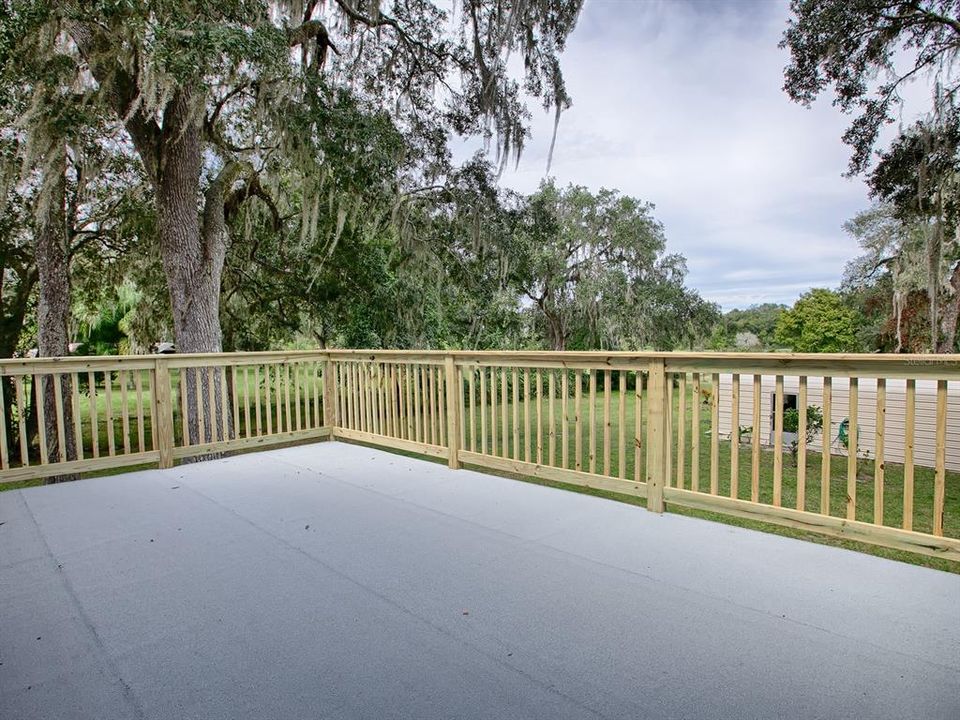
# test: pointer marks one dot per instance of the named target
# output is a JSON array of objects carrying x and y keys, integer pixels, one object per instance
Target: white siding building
[{"x": 894, "y": 429}]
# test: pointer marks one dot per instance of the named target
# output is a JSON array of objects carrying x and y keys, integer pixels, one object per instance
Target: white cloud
[{"x": 681, "y": 104}]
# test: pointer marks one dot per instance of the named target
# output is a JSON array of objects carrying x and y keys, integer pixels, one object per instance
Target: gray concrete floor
[{"x": 335, "y": 581}]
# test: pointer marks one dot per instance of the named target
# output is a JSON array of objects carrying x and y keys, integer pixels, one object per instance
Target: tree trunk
[
  {"x": 193, "y": 250},
  {"x": 12, "y": 317},
  {"x": 556, "y": 335},
  {"x": 934, "y": 250},
  {"x": 193, "y": 256},
  {"x": 193, "y": 269},
  {"x": 53, "y": 306},
  {"x": 950, "y": 314}
]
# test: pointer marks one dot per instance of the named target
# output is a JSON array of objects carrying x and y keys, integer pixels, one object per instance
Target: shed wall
[{"x": 925, "y": 424}]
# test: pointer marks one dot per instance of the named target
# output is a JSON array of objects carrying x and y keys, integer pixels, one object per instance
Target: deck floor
[{"x": 336, "y": 581}]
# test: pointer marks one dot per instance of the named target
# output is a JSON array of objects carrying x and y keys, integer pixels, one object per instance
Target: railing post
[
  {"x": 163, "y": 412},
  {"x": 329, "y": 395},
  {"x": 453, "y": 412},
  {"x": 656, "y": 434}
]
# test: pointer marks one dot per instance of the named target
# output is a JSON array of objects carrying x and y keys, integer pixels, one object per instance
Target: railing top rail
[
  {"x": 621, "y": 355},
  {"x": 242, "y": 358},
  {"x": 833, "y": 364},
  {"x": 946, "y": 366},
  {"x": 25, "y": 366},
  {"x": 75, "y": 363}
]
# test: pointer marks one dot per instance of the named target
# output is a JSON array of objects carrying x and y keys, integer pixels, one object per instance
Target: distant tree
[
  {"x": 696, "y": 316},
  {"x": 819, "y": 321},
  {"x": 365, "y": 285},
  {"x": 761, "y": 320},
  {"x": 664, "y": 313},
  {"x": 751, "y": 328},
  {"x": 595, "y": 270},
  {"x": 105, "y": 328},
  {"x": 856, "y": 47},
  {"x": 919, "y": 178},
  {"x": 889, "y": 282}
]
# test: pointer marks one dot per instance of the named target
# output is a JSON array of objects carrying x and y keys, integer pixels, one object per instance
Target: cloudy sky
[{"x": 680, "y": 103}]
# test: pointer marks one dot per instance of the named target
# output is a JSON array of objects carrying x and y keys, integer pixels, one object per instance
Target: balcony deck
[{"x": 336, "y": 581}]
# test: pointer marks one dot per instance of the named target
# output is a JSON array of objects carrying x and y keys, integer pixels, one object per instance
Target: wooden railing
[
  {"x": 701, "y": 430},
  {"x": 80, "y": 414}
]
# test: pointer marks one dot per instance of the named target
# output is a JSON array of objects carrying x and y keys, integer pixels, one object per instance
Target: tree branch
[
  {"x": 252, "y": 188},
  {"x": 213, "y": 231},
  {"x": 930, "y": 16},
  {"x": 218, "y": 108},
  {"x": 122, "y": 91},
  {"x": 311, "y": 30},
  {"x": 410, "y": 43},
  {"x": 881, "y": 263}
]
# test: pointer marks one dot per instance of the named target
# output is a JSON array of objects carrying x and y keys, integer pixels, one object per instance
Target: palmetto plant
[{"x": 103, "y": 329}]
